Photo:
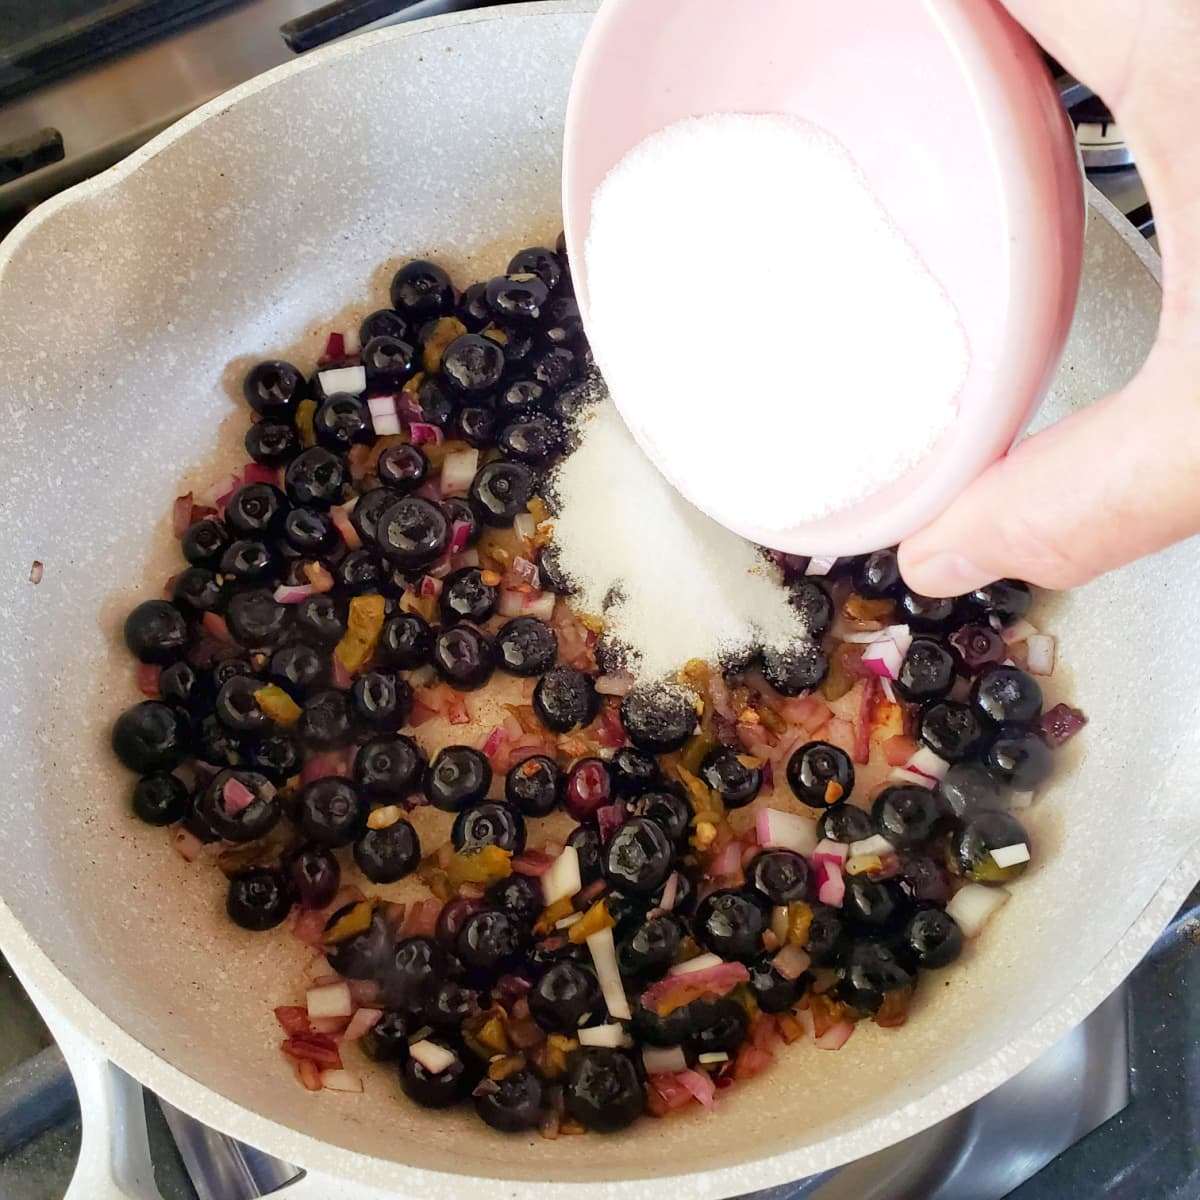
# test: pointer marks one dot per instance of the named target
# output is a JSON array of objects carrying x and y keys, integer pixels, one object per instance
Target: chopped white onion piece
[
  {"x": 786, "y": 831},
  {"x": 332, "y": 1000},
  {"x": 904, "y": 775},
  {"x": 352, "y": 380},
  {"x": 779, "y": 922},
  {"x": 925, "y": 762},
  {"x": 567, "y": 922},
  {"x": 1011, "y": 856},
  {"x": 524, "y": 526},
  {"x": 1019, "y": 800},
  {"x": 791, "y": 962},
  {"x": 351, "y": 342},
  {"x": 838, "y": 850},
  {"x": 1019, "y": 631},
  {"x": 563, "y": 878},
  {"x": 384, "y": 419},
  {"x": 434, "y": 1058},
  {"x": 663, "y": 1060},
  {"x": 612, "y": 1035},
  {"x": 713, "y": 1056},
  {"x": 1041, "y": 650},
  {"x": 604, "y": 957},
  {"x": 876, "y": 844},
  {"x": 972, "y": 907},
  {"x": 341, "y": 1081},
  {"x": 458, "y": 470},
  {"x": 702, "y": 962},
  {"x": 821, "y": 564}
]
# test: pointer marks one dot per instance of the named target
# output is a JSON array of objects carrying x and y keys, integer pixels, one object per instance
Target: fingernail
[{"x": 946, "y": 574}]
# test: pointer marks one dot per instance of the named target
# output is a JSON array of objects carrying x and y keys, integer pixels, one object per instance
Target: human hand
[{"x": 1121, "y": 478}]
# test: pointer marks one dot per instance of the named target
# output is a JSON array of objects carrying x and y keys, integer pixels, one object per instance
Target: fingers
[{"x": 1118, "y": 480}]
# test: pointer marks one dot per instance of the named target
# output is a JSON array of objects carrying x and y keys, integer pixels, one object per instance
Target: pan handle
[{"x": 114, "y": 1154}]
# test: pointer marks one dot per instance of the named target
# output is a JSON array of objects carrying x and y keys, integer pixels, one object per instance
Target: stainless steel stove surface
[{"x": 1105, "y": 1115}]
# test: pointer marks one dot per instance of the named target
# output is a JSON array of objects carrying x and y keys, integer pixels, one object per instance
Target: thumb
[{"x": 1109, "y": 484}]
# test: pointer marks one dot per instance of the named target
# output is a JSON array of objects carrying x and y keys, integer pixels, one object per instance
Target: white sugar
[
  {"x": 670, "y": 583},
  {"x": 780, "y": 345}
]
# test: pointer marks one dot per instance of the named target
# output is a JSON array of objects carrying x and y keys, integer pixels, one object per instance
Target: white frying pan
[{"x": 122, "y": 305}]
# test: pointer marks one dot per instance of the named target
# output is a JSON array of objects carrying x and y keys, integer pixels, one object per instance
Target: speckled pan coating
[{"x": 123, "y": 304}]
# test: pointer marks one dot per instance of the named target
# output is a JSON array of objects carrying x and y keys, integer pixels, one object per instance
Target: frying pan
[{"x": 128, "y": 308}]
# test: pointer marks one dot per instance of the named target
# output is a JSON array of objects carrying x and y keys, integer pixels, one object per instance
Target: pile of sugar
[
  {"x": 777, "y": 343},
  {"x": 670, "y": 583}
]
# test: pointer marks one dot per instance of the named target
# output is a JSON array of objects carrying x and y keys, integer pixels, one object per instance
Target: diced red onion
[
  {"x": 926, "y": 763},
  {"x": 620, "y": 683},
  {"x": 1061, "y": 724},
  {"x": 236, "y": 797},
  {"x": 324, "y": 765},
  {"x": 430, "y": 586},
  {"x": 341, "y": 520},
  {"x": 409, "y": 408},
  {"x": 338, "y": 675},
  {"x": 702, "y": 962},
  {"x": 316, "y": 1047},
  {"x": 904, "y": 775},
  {"x": 1018, "y": 631},
  {"x": 603, "y": 950},
  {"x": 351, "y": 343},
  {"x": 609, "y": 818},
  {"x": 836, "y": 1036},
  {"x": 663, "y": 1060},
  {"x": 460, "y": 535},
  {"x": 148, "y": 676},
  {"x": 1040, "y": 653},
  {"x": 974, "y": 905},
  {"x": 538, "y": 604},
  {"x": 728, "y": 861},
  {"x": 821, "y": 564},
  {"x": 562, "y": 879},
  {"x": 458, "y": 470},
  {"x": 350, "y": 380},
  {"x": 532, "y": 863},
  {"x": 332, "y": 1000},
  {"x": 181, "y": 515},
  {"x": 786, "y": 831},
  {"x": 384, "y": 418},
  {"x": 827, "y": 860},
  {"x": 791, "y": 962},
  {"x": 672, "y": 1093},
  {"x": 425, "y": 434},
  {"x": 293, "y": 593},
  {"x": 670, "y": 892},
  {"x": 434, "y": 1058},
  {"x": 219, "y": 493},
  {"x": 716, "y": 981},
  {"x": 511, "y": 604},
  {"x": 889, "y": 692},
  {"x": 700, "y": 1085},
  {"x": 978, "y": 646},
  {"x": 335, "y": 347},
  {"x": 886, "y": 654},
  {"x": 260, "y": 473},
  {"x": 293, "y": 1018}
]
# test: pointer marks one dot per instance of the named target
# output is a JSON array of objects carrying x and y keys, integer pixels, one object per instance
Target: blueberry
[
  {"x": 638, "y": 857},
  {"x": 877, "y": 907},
  {"x": 501, "y": 491},
  {"x": 513, "y": 1104},
  {"x": 488, "y": 940},
  {"x": 370, "y": 507},
  {"x": 472, "y": 309},
  {"x": 258, "y": 900},
  {"x": 449, "y": 1005},
  {"x": 380, "y": 700},
  {"x": 256, "y": 620},
  {"x": 388, "y": 855},
  {"x": 533, "y": 785},
  {"x": 810, "y": 599},
  {"x": 934, "y": 938},
  {"x": 845, "y": 823},
  {"x": 457, "y": 777},
  {"x": 331, "y": 812},
  {"x": 473, "y": 364},
  {"x": 522, "y": 398},
  {"x": 602, "y": 1090},
  {"x": 907, "y": 815},
  {"x": 969, "y": 789},
  {"x": 460, "y": 511},
  {"x": 384, "y": 322},
  {"x": 655, "y": 1030},
  {"x": 466, "y": 597},
  {"x": 927, "y": 672},
  {"x": 536, "y": 441},
  {"x": 1019, "y": 758},
  {"x": 299, "y": 669},
  {"x": 526, "y": 646},
  {"x": 388, "y": 768},
  {"x": 274, "y": 389},
  {"x": 237, "y": 708},
  {"x": 1007, "y": 599},
  {"x": 519, "y": 896},
  {"x": 878, "y": 575},
  {"x": 872, "y": 972},
  {"x": 926, "y": 613},
  {"x": 826, "y": 941},
  {"x": 160, "y": 799},
  {"x": 923, "y": 880},
  {"x": 406, "y": 642},
  {"x": 433, "y": 403},
  {"x": 402, "y": 468},
  {"x": 150, "y": 736},
  {"x": 325, "y": 720},
  {"x": 204, "y": 542},
  {"x": 257, "y": 510},
  {"x": 668, "y": 810},
  {"x": 321, "y": 619},
  {"x": 564, "y": 998},
  {"x": 563, "y": 325},
  {"x": 488, "y": 824},
  {"x": 553, "y": 366},
  {"x": 272, "y": 443},
  {"x": 196, "y": 591},
  {"x": 476, "y": 426},
  {"x": 796, "y": 670},
  {"x": 216, "y": 745},
  {"x": 574, "y": 400},
  {"x": 227, "y": 668},
  {"x": 820, "y": 775},
  {"x": 156, "y": 632},
  {"x": 772, "y": 992},
  {"x": 316, "y": 478},
  {"x": 258, "y": 817},
  {"x": 951, "y": 730},
  {"x": 539, "y": 261},
  {"x": 718, "y": 1024},
  {"x": 388, "y": 362},
  {"x": 421, "y": 290},
  {"x": 651, "y": 948},
  {"x": 444, "y": 1088},
  {"x": 310, "y": 533},
  {"x": 782, "y": 876},
  {"x": 517, "y": 298},
  {"x": 249, "y": 560},
  {"x": 736, "y": 783},
  {"x": 730, "y": 923},
  {"x": 1007, "y": 695},
  {"x": 633, "y": 772},
  {"x": 363, "y": 954},
  {"x": 550, "y": 572},
  {"x": 314, "y": 875},
  {"x": 463, "y": 656},
  {"x": 412, "y": 533},
  {"x": 658, "y": 718},
  {"x": 412, "y": 972},
  {"x": 564, "y": 699}
]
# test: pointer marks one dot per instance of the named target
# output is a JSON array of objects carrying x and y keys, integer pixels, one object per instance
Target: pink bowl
[{"x": 950, "y": 113}]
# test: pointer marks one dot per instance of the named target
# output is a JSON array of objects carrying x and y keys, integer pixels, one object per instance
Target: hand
[{"x": 1122, "y": 477}]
